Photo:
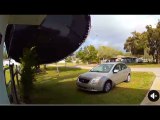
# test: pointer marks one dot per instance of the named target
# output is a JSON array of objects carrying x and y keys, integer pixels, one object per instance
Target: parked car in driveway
[{"x": 104, "y": 76}]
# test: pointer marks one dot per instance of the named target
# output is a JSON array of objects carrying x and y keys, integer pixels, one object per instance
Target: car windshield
[{"x": 102, "y": 68}]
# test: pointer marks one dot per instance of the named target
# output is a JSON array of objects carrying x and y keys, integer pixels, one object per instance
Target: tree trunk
[
  {"x": 38, "y": 70},
  {"x": 158, "y": 61},
  {"x": 65, "y": 64},
  {"x": 57, "y": 69},
  {"x": 45, "y": 67},
  {"x": 157, "y": 58},
  {"x": 153, "y": 58}
]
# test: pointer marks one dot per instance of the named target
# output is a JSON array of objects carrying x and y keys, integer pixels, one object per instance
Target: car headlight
[{"x": 95, "y": 80}]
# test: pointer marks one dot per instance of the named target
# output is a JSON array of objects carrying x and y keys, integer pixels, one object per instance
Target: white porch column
[{"x": 3, "y": 92}]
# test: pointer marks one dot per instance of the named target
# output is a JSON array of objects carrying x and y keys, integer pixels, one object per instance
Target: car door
[
  {"x": 124, "y": 72},
  {"x": 117, "y": 77}
]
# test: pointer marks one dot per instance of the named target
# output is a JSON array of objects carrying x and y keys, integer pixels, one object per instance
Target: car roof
[{"x": 113, "y": 63}]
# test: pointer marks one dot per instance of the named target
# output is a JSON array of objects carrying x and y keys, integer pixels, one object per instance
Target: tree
[
  {"x": 88, "y": 54},
  {"x": 146, "y": 43},
  {"x": 136, "y": 43},
  {"x": 105, "y": 52},
  {"x": 154, "y": 41},
  {"x": 45, "y": 66},
  {"x": 127, "y": 54},
  {"x": 28, "y": 63},
  {"x": 102, "y": 50},
  {"x": 68, "y": 59},
  {"x": 80, "y": 55}
]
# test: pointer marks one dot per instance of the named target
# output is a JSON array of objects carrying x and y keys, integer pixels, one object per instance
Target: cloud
[{"x": 113, "y": 30}]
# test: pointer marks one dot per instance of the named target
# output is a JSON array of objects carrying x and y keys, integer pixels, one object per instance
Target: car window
[
  {"x": 102, "y": 68},
  {"x": 123, "y": 66},
  {"x": 117, "y": 67}
]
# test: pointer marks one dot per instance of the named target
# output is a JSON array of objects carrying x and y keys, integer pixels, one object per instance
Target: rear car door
[{"x": 124, "y": 72}]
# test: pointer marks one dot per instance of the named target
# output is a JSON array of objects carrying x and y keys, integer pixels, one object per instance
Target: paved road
[{"x": 155, "y": 85}]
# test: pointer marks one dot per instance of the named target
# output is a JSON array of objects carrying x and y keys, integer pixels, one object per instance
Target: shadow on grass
[
  {"x": 90, "y": 92},
  {"x": 57, "y": 78},
  {"x": 68, "y": 93},
  {"x": 41, "y": 74},
  {"x": 65, "y": 73}
]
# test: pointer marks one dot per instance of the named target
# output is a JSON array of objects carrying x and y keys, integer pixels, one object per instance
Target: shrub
[{"x": 28, "y": 63}]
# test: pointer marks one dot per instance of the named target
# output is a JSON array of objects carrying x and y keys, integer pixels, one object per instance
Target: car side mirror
[{"x": 116, "y": 71}]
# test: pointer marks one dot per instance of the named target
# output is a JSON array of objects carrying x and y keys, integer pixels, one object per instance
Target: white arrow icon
[{"x": 153, "y": 95}]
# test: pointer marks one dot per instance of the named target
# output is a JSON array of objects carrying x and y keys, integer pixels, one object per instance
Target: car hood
[{"x": 91, "y": 75}]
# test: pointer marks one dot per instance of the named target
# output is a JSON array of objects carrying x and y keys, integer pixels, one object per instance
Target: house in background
[{"x": 125, "y": 59}]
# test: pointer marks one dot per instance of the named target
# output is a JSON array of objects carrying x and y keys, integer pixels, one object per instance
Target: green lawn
[
  {"x": 134, "y": 65},
  {"x": 53, "y": 89},
  {"x": 7, "y": 76},
  {"x": 69, "y": 64},
  {"x": 147, "y": 65}
]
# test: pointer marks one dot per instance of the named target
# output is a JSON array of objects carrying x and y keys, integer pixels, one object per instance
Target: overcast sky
[{"x": 113, "y": 30}]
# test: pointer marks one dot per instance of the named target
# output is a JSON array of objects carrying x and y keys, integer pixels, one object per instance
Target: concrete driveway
[{"x": 155, "y": 85}]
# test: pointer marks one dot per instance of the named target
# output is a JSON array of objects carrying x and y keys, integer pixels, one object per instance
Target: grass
[
  {"x": 7, "y": 76},
  {"x": 53, "y": 89},
  {"x": 8, "y": 79},
  {"x": 69, "y": 64},
  {"x": 144, "y": 65},
  {"x": 133, "y": 65}
]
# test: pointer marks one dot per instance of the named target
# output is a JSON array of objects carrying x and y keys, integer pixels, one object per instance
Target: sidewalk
[{"x": 155, "y": 85}]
